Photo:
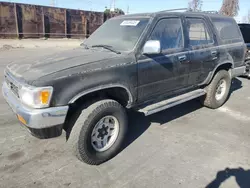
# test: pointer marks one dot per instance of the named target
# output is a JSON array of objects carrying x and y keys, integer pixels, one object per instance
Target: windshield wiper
[{"x": 106, "y": 47}]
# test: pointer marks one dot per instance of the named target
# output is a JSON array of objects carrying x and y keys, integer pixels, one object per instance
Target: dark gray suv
[{"x": 145, "y": 62}]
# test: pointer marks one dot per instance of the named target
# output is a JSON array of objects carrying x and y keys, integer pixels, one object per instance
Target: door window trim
[
  {"x": 208, "y": 30},
  {"x": 170, "y": 50}
]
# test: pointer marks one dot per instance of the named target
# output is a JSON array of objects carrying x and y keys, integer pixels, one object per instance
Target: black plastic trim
[{"x": 46, "y": 133}]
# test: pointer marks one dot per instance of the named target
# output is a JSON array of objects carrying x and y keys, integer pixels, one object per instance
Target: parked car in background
[
  {"x": 245, "y": 30},
  {"x": 145, "y": 62}
]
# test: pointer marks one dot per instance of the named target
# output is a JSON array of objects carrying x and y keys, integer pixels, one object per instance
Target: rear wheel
[
  {"x": 218, "y": 90},
  {"x": 99, "y": 132}
]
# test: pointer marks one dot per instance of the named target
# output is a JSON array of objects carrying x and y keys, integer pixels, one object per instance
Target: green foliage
[{"x": 116, "y": 11}]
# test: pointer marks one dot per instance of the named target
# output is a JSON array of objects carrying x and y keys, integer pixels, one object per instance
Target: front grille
[{"x": 12, "y": 86}]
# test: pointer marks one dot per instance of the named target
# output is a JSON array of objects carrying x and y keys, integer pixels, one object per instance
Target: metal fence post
[
  {"x": 65, "y": 22},
  {"x": 16, "y": 19},
  {"x": 85, "y": 22},
  {"x": 43, "y": 22}
]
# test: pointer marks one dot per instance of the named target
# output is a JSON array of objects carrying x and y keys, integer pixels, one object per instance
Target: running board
[{"x": 162, "y": 105}]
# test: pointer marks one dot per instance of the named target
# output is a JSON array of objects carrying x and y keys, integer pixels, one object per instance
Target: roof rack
[
  {"x": 178, "y": 9},
  {"x": 211, "y": 12},
  {"x": 189, "y": 10}
]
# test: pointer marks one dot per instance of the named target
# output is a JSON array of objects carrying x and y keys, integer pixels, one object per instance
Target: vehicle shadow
[
  {"x": 242, "y": 177},
  {"x": 138, "y": 123},
  {"x": 236, "y": 85}
]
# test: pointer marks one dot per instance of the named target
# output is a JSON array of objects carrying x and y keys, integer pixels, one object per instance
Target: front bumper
[{"x": 42, "y": 123}]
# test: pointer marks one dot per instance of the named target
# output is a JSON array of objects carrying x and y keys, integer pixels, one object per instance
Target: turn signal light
[{"x": 44, "y": 97}]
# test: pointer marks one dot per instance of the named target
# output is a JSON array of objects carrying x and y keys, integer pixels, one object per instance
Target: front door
[{"x": 169, "y": 70}]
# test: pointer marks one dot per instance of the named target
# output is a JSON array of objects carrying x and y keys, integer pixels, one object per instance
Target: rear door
[{"x": 203, "y": 51}]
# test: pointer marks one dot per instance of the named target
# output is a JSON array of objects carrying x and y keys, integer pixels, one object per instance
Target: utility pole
[
  {"x": 112, "y": 5},
  {"x": 128, "y": 9},
  {"x": 53, "y": 3},
  {"x": 90, "y": 4}
]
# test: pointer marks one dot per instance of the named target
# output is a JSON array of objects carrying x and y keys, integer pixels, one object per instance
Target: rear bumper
[
  {"x": 247, "y": 73},
  {"x": 42, "y": 123},
  {"x": 238, "y": 71}
]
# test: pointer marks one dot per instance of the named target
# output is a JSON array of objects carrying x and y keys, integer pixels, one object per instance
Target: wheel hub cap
[
  {"x": 102, "y": 132},
  {"x": 221, "y": 89},
  {"x": 105, "y": 133}
]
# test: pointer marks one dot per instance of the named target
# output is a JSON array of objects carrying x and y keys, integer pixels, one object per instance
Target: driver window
[{"x": 169, "y": 33}]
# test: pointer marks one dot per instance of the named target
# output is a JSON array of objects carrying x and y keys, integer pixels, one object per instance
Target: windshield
[
  {"x": 120, "y": 34},
  {"x": 245, "y": 30}
]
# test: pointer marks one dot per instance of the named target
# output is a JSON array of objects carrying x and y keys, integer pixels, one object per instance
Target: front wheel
[
  {"x": 218, "y": 90},
  {"x": 99, "y": 132}
]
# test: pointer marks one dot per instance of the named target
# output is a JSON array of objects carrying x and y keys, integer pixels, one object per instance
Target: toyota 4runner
[{"x": 146, "y": 62}]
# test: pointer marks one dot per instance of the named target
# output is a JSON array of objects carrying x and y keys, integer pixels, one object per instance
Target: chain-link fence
[{"x": 32, "y": 21}]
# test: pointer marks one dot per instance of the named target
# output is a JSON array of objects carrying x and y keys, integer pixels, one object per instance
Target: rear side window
[
  {"x": 169, "y": 33},
  {"x": 228, "y": 30},
  {"x": 198, "y": 32}
]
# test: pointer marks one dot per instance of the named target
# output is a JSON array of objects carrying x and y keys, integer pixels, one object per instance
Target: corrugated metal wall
[
  {"x": 7, "y": 20},
  {"x": 32, "y": 21}
]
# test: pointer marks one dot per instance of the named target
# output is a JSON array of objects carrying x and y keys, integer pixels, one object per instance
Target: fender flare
[
  {"x": 212, "y": 73},
  {"x": 99, "y": 88}
]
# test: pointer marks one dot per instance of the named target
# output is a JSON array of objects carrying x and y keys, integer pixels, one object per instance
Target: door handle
[
  {"x": 214, "y": 53},
  {"x": 182, "y": 58}
]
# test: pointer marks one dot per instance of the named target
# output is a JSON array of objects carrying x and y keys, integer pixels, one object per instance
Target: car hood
[{"x": 36, "y": 68}]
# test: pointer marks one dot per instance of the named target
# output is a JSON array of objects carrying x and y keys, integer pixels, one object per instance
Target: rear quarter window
[{"x": 228, "y": 30}]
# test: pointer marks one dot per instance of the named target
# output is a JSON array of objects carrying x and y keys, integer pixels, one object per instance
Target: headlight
[{"x": 36, "y": 97}]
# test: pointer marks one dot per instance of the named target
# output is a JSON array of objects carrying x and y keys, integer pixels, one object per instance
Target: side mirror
[{"x": 152, "y": 47}]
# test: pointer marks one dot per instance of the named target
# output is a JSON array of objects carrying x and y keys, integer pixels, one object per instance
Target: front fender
[{"x": 99, "y": 88}]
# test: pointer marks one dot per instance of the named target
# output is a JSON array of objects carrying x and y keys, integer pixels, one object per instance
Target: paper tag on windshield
[{"x": 130, "y": 23}]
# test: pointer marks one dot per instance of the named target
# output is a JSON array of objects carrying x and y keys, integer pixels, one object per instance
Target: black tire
[
  {"x": 210, "y": 100},
  {"x": 80, "y": 136}
]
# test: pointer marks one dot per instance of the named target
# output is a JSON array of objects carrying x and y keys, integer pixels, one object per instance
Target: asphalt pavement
[{"x": 185, "y": 146}]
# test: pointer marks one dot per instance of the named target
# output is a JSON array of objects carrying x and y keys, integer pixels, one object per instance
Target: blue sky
[{"x": 136, "y": 6}]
